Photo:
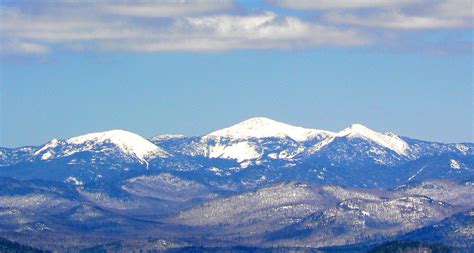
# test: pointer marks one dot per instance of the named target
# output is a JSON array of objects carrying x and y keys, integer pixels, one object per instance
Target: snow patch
[
  {"x": 462, "y": 148},
  {"x": 74, "y": 181},
  {"x": 273, "y": 155},
  {"x": 216, "y": 171},
  {"x": 455, "y": 164},
  {"x": 417, "y": 173},
  {"x": 46, "y": 156},
  {"x": 240, "y": 151}
]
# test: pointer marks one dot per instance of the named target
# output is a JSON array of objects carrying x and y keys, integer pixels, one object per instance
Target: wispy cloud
[
  {"x": 41, "y": 27},
  {"x": 98, "y": 30},
  {"x": 397, "y": 20},
  {"x": 401, "y": 14},
  {"x": 340, "y": 4},
  {"x": 21, "y": 47},
  {"x": 167, "y": 8}
]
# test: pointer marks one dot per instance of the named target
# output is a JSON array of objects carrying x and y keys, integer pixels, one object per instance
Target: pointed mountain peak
[
  {"x": 388, "y": 140},
  {"x": 261, "y": 127}
]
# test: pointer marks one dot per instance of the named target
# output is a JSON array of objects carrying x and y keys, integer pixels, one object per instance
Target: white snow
[
  {"x": 128, "y": 142},
  {"x": 73, "y": 180},
  {"x": 388, "y": 140},
  {"x": 261, "y": 127},
  {"x": 264, "y": 128},
  {"x": 216, "y": 171},
  {"x": 273, "y": 155},
  {"x": 32, "y": 201},
  {"x": 321, "y": 144},
  {"x": 462, "y": 148},
  {"x": 163, "y": 137},
  {"x": 46, "y": 156},
  {"x": 240, "y": 151},
  {"x": 417, "y": 173},
  {"x": 52, "y": 144},
  {"x": 455, "y": 164}
]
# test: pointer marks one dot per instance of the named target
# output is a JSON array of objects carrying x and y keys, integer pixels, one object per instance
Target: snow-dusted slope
[
  {"x": 264, "y": 128},
  {"x": 249, "y": 140},
  {"x": 245, "y": 141},
  {"x": 261, "y": 127},
  {"x": 358, "y": 131},
  {"x": 388, "y": 140},
  {"x": 128, "y": 143}
]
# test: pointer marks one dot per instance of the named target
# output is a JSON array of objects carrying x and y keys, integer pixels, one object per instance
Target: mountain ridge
[{"x": 252, "y": 153}]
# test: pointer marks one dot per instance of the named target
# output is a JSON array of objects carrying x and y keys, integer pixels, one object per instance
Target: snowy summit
[
  {"x": 128, "y": 143},
  {"x": 261, "y": 127}
]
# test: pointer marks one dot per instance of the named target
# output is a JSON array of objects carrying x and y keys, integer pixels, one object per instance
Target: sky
[{"x": 190, "y": 67}]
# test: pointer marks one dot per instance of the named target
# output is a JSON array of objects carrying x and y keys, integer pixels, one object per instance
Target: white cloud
[
  {"x": 167, "y": 8},
  {"x": 21, "y": 47},
  {"x": 341, "y": 4},
  {"x": 397, "y": 20},
  {"x": 195, "y": 33},
  {"x": 225, "y": 32},
  {"x": 214, "y": 25},
  {"x": 390, "y": 14},
  {"x": 454, "y": 8}
]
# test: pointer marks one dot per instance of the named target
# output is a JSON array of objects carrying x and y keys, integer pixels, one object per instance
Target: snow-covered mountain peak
[
  {"x": 388, "y": 140},
  {"x": 261, "y": 127},
  {"x": 128, "y": 142}
]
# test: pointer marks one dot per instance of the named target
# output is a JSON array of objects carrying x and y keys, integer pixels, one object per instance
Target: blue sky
[{"x": 196, "y": 66}]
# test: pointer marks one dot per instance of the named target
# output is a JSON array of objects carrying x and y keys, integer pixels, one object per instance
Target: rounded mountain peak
[
  {"x": 261, "y": 127},
  {"x": 128, "y": 142}
]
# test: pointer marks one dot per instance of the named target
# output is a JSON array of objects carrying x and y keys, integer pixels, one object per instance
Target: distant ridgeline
[
  {"x": 257, "y": 184},
  {"x": 250, "y": 154}
]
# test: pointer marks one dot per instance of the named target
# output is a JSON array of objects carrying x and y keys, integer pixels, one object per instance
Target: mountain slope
[
  {"x": 457, "y": 231},
  {"x": 357, "y": 220}
]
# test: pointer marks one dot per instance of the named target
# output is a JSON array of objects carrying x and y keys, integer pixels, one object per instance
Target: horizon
[
  {"x": 235, "y": 124},
  {"x": 192, "y": 67}
]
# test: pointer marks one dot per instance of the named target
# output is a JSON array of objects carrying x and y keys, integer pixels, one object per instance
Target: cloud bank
[{"x": 42, "y": 27}]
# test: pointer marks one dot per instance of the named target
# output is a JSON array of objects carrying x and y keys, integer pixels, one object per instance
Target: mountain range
[{"x": 259, "y": 183}]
